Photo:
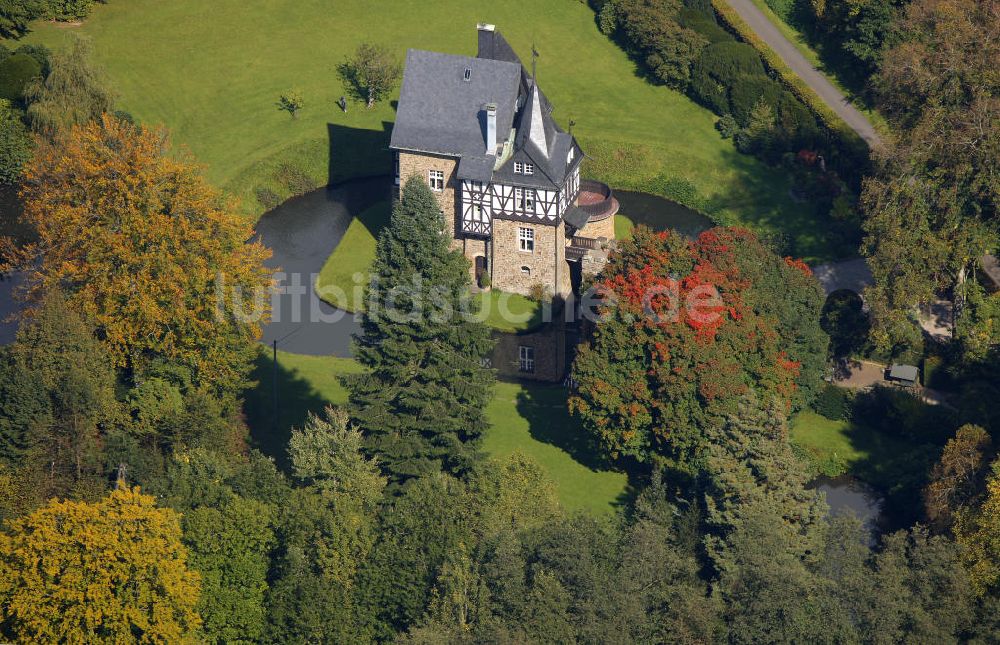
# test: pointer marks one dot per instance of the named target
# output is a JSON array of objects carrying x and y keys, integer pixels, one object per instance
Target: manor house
[{"x": 480, "y": 132}]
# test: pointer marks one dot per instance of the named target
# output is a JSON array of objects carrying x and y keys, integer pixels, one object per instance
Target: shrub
[
  {"x": 124, "y": 116},
  {"x": 704, "y": 7},
  {"x": 718, "y": 68},
  {"x": 746, "y": 90},
  {"x": 267, "y": 197},
  {"x": 484, "y": 280},
  {"x": 68, "y": 10},
  {"x": 698, "y": 22},
  {"x": 833, "y": 402},
  {"x": 15, "y": 72},
  {"x": 654, "y": 36},
  {"x": 4, "y": 52},
  {"x": 16, "y": 145},
  {"x": 41, "y": 53},
  {"x": 607, "y": 18},
  {"x": 727, "y": 126},
  {"x": 294, "y": 179}
]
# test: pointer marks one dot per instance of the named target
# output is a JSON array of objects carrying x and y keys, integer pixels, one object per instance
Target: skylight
[{"x": 468, "y": 73}]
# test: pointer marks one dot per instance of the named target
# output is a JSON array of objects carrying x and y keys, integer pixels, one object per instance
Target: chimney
[{"x": 491, "y": 128}]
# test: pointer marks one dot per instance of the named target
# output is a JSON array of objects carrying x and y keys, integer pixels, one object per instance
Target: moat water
[{"x": 846, "y": 494}]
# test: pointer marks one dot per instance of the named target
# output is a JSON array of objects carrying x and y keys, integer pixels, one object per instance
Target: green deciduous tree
[
  {"x": 230, "y": 547},
  {"x": 420, "y": 401},
  {"x": 373, "y": 72},
  {"x": 16, "y": 144},
  {"x": 658, "y": 41},
  {"x": 74, "y": 92},
  {"x": 957, "y": 478},
  {"x": 111, "y": 571}
]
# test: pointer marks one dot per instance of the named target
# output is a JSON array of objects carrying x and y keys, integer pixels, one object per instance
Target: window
[
  {"x": 524, "y": 198},
  {"x": 526, "y": 270},
  {"x": 518, "y": 168},
  {"x": 526, "y": 239},
  {"x": 468, "y": 73},
  {"x": 529, "y": 169},
  {"x": 526, "y": 359},
  {"x": 436, "y": 180},
  {"x": 569, "y": 155}
]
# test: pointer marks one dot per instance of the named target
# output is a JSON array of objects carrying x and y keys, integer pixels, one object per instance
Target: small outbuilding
[{"x": 905, "y": 375}]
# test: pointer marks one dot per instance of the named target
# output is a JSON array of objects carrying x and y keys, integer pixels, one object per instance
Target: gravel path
[{"x": 787, "y": 51}]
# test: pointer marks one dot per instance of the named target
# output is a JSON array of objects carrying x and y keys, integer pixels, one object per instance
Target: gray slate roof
[
  {"x": 440, "y": 112},
  {"x": 904, "y": 372}
]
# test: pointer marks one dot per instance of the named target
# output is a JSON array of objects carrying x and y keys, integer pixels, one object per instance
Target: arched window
[{"x": 525, "y": 270}]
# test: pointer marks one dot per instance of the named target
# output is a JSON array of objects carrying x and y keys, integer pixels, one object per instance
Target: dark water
[
  {"x": 659, "y": 214},
  {"x": 302, "y": 233},
  {"x": 845, "y": 494}
]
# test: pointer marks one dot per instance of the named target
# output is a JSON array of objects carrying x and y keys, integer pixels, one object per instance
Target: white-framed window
[
  {"x": 526, "y": 270},
  {"x": 518, "y": 168},
  {"x": 436, "y": 180},
  {"x": 526, "y": 239},
  {"x": 524, "y": 198},
  {"x": 477, "y": 211},
  {"x": 529, "y": 168},
  {"x": 569, "y": 155},
  {"x": 526, "y": 359}
]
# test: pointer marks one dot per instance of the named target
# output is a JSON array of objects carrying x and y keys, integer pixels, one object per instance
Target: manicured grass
[
  {"x": 212, "y": 73},
  {"x": 526, "y": 417},
  {"x": 347, "y": 267},
  {"x": 623, "y": 227}
]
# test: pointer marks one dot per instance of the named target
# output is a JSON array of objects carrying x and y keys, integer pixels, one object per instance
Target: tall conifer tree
[{"x": 421, "y": 400}]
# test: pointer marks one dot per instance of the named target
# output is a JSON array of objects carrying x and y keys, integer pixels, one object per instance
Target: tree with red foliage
[{"x": 689, "y": 329}]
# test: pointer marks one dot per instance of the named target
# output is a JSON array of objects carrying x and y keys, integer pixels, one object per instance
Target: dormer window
[
  {"x": 529, "y": 169},
  {"x": 518, "y": 168},
  {"x": 569, "y": 155},
  {"x": 468, "y": 74}
]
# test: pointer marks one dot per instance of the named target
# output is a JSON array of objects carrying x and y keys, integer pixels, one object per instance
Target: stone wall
[
  {"x": 599, "y": 229},
  {"x": 546, "y": 264},
  {"x": 421, "y": 164}
]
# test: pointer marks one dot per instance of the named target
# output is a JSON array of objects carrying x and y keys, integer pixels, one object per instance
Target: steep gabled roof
[{"x": 440, "y": 112}]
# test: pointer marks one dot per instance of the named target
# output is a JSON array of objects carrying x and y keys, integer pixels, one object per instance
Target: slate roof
[
  {"x": 441, "y": 113},
  {"x": 909, "y": 373}
]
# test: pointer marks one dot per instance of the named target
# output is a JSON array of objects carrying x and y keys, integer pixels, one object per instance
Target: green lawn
[
  {"x": 509, "y": 311},
  {"x": 346, "y": 270},
  {"x": 894, "y": 466},
  {"x": 212, "y": 72},
  {"x": 623, "y": 227},
  {"x": 526, "y": 417}
]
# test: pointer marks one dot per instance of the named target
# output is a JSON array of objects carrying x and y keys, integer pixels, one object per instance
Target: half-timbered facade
[{"x": 480, "y": 132}]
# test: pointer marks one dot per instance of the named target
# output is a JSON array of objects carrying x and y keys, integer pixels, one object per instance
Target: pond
[
  {"x": 846, "y": 494},
  {"x": 659, "y": 213}
]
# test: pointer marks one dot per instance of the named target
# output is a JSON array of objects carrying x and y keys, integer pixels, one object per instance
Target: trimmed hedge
[
  {"x": 853, "y": 144},
  {"x": 716, "y": 70}
]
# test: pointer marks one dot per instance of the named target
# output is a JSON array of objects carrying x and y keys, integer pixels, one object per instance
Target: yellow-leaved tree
[
  {"x": 110, "y": 571},
  {"x": 978, "y": 531},
  {"x": 146, "y": 248}
]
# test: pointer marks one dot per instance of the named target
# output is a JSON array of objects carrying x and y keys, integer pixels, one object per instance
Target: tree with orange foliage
[
  {"x": 111, "y": 571},
  {"x": 141, "y": 244},
  {"x": 650, "y": 386}
]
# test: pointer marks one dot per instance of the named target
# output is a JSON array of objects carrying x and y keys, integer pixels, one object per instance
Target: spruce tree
[{"x": 421, "y": 399}]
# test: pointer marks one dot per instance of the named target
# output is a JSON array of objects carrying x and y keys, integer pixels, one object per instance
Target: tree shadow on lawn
[
  {"x": 356, "y": 152},
  {"x": 549, "y": 421},
  {"x": 296, "y": 398}
]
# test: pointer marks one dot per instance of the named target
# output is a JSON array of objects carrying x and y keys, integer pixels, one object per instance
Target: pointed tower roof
[{"x": 535, "y": 125}]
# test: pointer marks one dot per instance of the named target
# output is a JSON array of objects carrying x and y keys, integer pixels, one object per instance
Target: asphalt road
[{"x": 787, "y": 51}]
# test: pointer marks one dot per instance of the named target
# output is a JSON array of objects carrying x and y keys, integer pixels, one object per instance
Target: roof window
[{"x": 468, "y": 73}]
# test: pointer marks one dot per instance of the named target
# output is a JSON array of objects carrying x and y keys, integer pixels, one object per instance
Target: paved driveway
[
  {"x": 847, "y": 274},
  {"x": 787, "y": 51},
  {"x": 302, "y": 234}
]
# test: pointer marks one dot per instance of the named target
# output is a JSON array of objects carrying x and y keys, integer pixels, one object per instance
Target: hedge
[{"x": 830, "y": 120}]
